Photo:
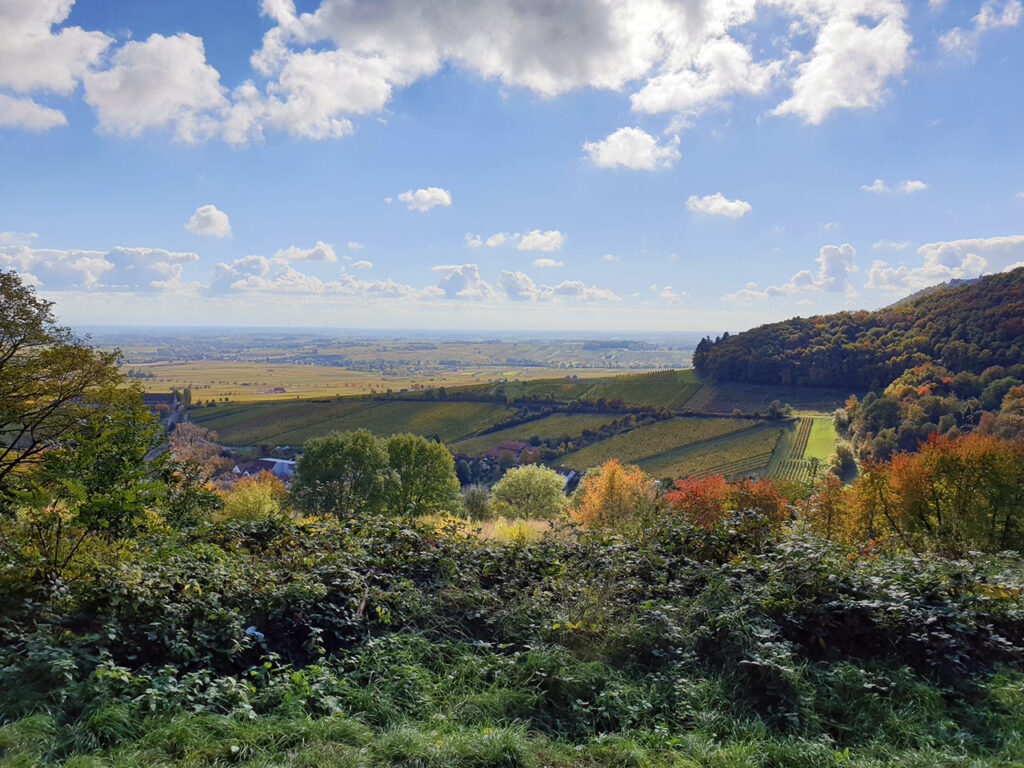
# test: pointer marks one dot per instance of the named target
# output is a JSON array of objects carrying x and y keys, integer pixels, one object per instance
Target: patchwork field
[
  {"x": 801, "y": 441},
  {"x": 653, "y": 441},
  {"x": 294, "y": 423},
  {"x": 554, "y": 426},
  {"x": 253, "y": 382}
]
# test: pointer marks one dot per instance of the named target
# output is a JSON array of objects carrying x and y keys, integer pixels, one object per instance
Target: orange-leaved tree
[
  {"x": 955, "y": 495},
  {"x": 611, "y": 494},
  {"x": 707, "y": 500}
]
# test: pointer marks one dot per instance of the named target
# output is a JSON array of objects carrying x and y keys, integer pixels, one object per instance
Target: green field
[
  {"x": 554, "y": 426},
  {"x": 292, "y": 423},
  {"x": 822, "y": 439},
  {"x": 654, "y": 440},
  {"x": 756, "y": 398},
  {"x": 671, "y": 389}
]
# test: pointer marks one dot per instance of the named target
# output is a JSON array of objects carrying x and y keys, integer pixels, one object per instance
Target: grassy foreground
[{"x": 377, "y": 642}]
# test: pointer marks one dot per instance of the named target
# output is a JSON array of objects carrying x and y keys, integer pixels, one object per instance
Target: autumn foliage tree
[
  {"x": 612, "y": 493},
  {"x": 955, "y": 495},
  {"x": 708, "y": 500}
]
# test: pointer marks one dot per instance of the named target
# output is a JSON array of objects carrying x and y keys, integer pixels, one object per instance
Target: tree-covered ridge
[{"x": 963, "y": 328}]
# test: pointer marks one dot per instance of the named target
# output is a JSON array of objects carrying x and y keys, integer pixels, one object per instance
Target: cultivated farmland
[
  {"x": 745, "y": 451},
  {"x": 553, "y": 426},
  {"x": 654, "y": 440},
  {"x": 295, "y": 422}
]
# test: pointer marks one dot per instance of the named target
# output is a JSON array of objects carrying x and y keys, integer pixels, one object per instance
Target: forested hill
[{"x": 963, "y": 328}]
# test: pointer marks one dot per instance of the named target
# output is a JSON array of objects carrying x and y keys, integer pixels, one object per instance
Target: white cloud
[
  {"x": 473, "y": 241},
  {"x": 162, "y": 81},
  {"x": 17, "y": 238},
  {"x": 891, "y": 244},
  {"x": 860, "y": 46},
  {"x": 547, "y": 263},
  {"x": 28, "y": 115},
  {"x": 535, "y": 240},
  {"x": 498, "y": 239},
  {"x": 905, "y": 187},
  {"x": 909, "y": 187},
  {"x": 319, "y": 252},
  {"x": 463, "y": 281},
  {"x": 632, "y": 148},
  {"x": 258, "y": 274},
  {"x": 718, "y": 205},
  {"x": 362, "y": 265},
  {"x": 669, "y": 294},
  {"x": 318, "y": 70},
  {"x": 994, "y": 14},
  {"x": 127, "y": 269},
  {"x": 520, "y": 287},
  {"x": 354, "y": 246},
  {"x": 610, "y": 259},
  {"x": 34, "y": 58},
  {"x": 946, "y": 260},
  {"x": 425, "y": 199},
  {"x": 835, "y": 265},
  {"x": 209, "y": 220}
]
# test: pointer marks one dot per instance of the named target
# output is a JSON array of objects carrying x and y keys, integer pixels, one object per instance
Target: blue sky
[{"x": 589, "y": 164}]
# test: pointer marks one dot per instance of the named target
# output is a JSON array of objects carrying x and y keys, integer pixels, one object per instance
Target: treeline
[{"x": 962, "y": 328}]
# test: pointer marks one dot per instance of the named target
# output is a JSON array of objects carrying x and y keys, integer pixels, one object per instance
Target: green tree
[
  {"x": 530, "y": 491},
  {"x": 425, "y": 472},
  {"x": 343, "y": 472},
  {"x": 47, "y": 380}
]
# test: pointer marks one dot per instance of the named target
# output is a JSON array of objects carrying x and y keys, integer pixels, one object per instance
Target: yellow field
[{"x": 249, "y": 382}]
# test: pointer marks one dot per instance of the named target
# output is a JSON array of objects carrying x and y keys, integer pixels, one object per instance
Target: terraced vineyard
[
  {"x": 295, "y": 422},
  {"x": 793, "y": 469},
  {"x": 554, "y": 426},
  {"x": 803, "y": 434},
  {"x": 745, "y": 452},
  {"x": 662, "y": 439},
  {"x": 659, "y": 389}
]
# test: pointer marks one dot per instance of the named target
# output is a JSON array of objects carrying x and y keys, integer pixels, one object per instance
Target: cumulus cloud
[
  {"x": 28, "y": 115},
  {"x": 362, "y": 264},
  {"x": 319, "y": 252},
  {"x": 535, "y": 240},
  {"x": 946, "y": 260},
  {"x": 547, "y": 263},
  {"x": 473, "y": 241},
  {"x": 905, "y": 187},
  {"x": 354, "y": 246},
  {"x": 632, "y": 148},
  {"x": 159, "y": 82},
  {"x": 520, "y": 287},
  {"x": 499, "y": 238},
  {"x": 258, "y": 274},
  {"x": 317, "y": 71},
  {"x": 209, "y": 220},
  {"x": 859, "y": 47},
  {"x": 835, "y": 265},
  {"x": 463, "y": 281},
  {"x": 718, "y": 205},
  {"x": 119, "y": 269},
  {"x": 994, "y": 14},
  {"x": 17, "y": 238},
  {"x": 672, "y": 296},
  {"x": 425, "y": 199},
  {"x": 36, "y": 59}
]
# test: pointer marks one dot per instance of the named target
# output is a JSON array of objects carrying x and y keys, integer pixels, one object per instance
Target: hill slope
[{"x": 963, "y": 327}]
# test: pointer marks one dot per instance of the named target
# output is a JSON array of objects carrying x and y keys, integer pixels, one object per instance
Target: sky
[{"x": 611, "y": 165}]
